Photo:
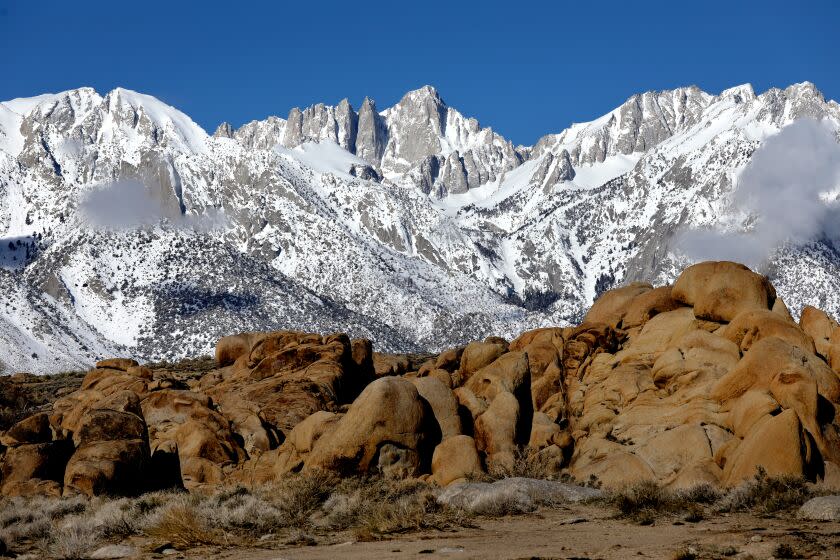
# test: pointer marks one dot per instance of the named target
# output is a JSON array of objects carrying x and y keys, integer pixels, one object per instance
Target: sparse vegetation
[
  {"x": 298, "y": 510},
  {"x": 529, "y": 463},
  {"x": 183, "y": 526},
  {"x": 304, "y": 509},
  {"x": 763, "y": 495}
]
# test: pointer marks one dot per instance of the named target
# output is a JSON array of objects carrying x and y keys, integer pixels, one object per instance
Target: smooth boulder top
[{"x": 719, "y": 291}]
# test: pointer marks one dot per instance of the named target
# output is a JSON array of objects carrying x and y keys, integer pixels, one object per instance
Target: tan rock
[
  {"x": 443, "y": 403},
  {"x": 198, "y": 472},
  {"x": 510, "y": 373},
  {"x": 776, "y": 444},
  {"x": 229, "y": 348},
  {"x": 611, "y": 307},
  {"x": 469, "y": 401},
  {"x": 390, "y": 364},
  {"x": 114, "y": 468},
  {"x": 455, "y": 458},
  {"x": 496, "y": 431},
  {"x": 553, "y": 335},
  {"x": 34, "y": 429},
  {"x": 781, "y": 308},
  {"x": 693, "y": 362},
  {"x": 184, "y": 421},
  {"x": 478, "y": 355},
  {"x": 301, "y": 440},
  {"x": 833, "y": 350},
  {"x": 33, "y": 487},
  {"x": 719, "y": 291},
  {"x": 545, "y": 432},
  {"x": 673, "y": 450},
  {"x": 24, "y": 466},
  {"x": 819, "y": 326},
  {"x": 449, "y": 360},
  {"x": 109, "y": 425},
  {"x": 696, "y": 474},
  {"x": 657, "y": 335},
  {"x": 389, "y": 411},
  {"x": 609, "y": 463},
  {"x": 247, "y": 421},
  {"x": 549, "y": 384},
  {"x": 796, "y": 390},
  {"x": 542, "y": 354},
  {"x": 508, "y": 378},
  {"x": 768, "y": 357},
  {"x": 749, "y": 327},
  {"x": 647, "y": 305},
  {"x": 293, "y": 376},
  {"x": 831, "y": 478},
  {"x": 121, "y": 364},
  {"x": 745, "y": 411},
  {"x": 443, "y": 376},
  {"x": 101, "y": 389}
]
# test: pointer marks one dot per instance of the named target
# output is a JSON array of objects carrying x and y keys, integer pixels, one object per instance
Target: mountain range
[{"x": 125, "y": 228}]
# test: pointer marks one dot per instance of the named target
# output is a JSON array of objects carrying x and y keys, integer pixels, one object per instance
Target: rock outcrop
[{"x": 707, "y": 381}]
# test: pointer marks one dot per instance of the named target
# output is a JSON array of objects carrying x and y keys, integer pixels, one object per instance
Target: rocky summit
[
  {"x": 127, "y": 229},
  {"x": 705, "y": 381}
]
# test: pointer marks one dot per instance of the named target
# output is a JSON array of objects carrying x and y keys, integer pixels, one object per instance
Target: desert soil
[{"x": 576, "y": 532}]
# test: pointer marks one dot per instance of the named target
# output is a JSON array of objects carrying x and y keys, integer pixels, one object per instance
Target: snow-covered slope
[{"x": 413, "y": 225}]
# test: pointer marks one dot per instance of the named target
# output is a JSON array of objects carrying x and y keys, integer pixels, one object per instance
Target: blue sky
[{"x": 524, "y": 68}]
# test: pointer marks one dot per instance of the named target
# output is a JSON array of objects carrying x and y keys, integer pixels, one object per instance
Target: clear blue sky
[{"x": 524, "y": 68}]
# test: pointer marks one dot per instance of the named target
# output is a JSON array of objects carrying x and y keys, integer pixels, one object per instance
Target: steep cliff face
[{"x": 414, "y": 225}]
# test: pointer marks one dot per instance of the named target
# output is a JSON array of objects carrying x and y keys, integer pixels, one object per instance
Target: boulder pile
[{"x": 705, "y": 381}]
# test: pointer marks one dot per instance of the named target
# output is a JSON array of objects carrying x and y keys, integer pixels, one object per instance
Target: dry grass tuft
[
  {"x": 373, "y": 507},
  {"x": 528, "y": 463},
  {"x": 181, "y": 525},
  {"x": 641, "y": 501},
  {"x": 645, "y": 501},
  {"x": 74, "y": 539},
  {"x": 765, "y": 495},
  {"x": 299, "y": 496}
]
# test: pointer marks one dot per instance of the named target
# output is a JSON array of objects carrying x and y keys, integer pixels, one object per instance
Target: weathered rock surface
[
  {"x": 455, "y": 458},
  {"x": 718, "y": 291},
  {"x": 705, "y": 382},
  {"x": 389, "y": 429}
]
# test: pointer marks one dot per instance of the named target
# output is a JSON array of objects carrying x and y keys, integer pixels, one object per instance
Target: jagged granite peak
[
  {"x": 262, "y": 135},
  {"x": 398, "y": 141},
  {"x": 553, "y": 170},
  {"x": 454, "y": 176},
  {"x": 640, "y": 123},
  {"x": 371, "y": 134},
  {"x": 322, "y": 122},
  {"x": 416, "y": 125},
  {"x": 224, "y": 130},
  {"x": 475, "y": 237},
  {"x": 739, "y": 94}
]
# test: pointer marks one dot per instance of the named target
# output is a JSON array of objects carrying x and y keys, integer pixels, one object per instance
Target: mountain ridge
[{"x": 439, "y": 232}]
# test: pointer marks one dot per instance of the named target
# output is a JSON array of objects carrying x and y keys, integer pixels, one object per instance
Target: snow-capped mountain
[{"x": 412, "y": 225}]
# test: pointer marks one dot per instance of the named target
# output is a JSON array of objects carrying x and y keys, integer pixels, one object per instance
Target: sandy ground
[{"x": 577, "y": 532}]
